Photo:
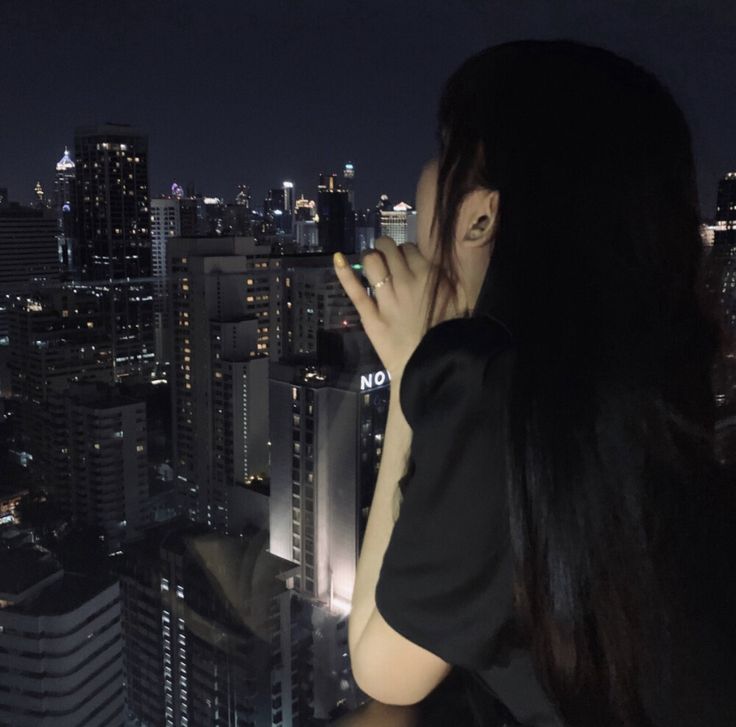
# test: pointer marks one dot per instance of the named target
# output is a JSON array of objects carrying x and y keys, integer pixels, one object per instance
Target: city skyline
[{"x": 224, "y": 105}]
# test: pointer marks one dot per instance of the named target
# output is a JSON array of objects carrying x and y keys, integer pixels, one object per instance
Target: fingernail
[{"x": 340, "y": 260}]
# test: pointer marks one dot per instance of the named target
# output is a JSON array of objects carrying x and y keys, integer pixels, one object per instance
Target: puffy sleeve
[{"x": 446, "y": 578}]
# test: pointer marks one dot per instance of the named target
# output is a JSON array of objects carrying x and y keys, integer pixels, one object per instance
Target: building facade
[{"x": 60, "y": 644}]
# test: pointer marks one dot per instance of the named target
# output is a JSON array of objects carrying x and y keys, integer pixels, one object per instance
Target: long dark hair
[{"x": 597, "y": 270}]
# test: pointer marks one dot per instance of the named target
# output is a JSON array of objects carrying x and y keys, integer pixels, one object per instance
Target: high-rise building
[
  {"x": 287, "y": 223},
  {"x": 242, "y": 198},
  {"x": 57, "y": 335},
  {"x": 721, "y": 272},
  {"x": 348, "y": 182},
  {"x": 335, "y": 216},
  {"x": 165, "y": 224},
  {"x": 28, "y": 247},
  {"x": 398, "y": 223},
  {"x": 289, "y": 201},
  {"x": 192, "y": 216},
  {"x": 41, "y": 201},
  {"x": 304, "y": 209},
  {"x": 112, "y": 212},
  {"x": 209, "y": 640},
  {"x": 306, "y": 297},
  {"x": 384, "y": 204},
  {"x": 720, "y": 285},
  {"x": 278, "y": 208},
  {"x": 219, "y": 293},
  {"x": 64, "y": 192},
  {"x": 61, "y": 644},
  {"x": 327, "y": 421},
  {"x": 306, "y": 235},
  {"x": 107, "y": 461},
  {"x": 239, "y": 220},
  {"x": 112, "y": 221},
  {"x": 365, "y": 232},
  {"x": 726, "y": 201}
]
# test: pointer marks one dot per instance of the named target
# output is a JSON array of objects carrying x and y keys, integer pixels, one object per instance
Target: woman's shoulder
[{"x": 454, "y": 359}]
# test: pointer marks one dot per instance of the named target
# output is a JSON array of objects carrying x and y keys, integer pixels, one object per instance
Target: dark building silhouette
[
  {"x": 112, "y": 215},
  {"x": 336, "y": 216},
  {"x": 112, "y": 236},
  {"x": 28, "y": 247}
]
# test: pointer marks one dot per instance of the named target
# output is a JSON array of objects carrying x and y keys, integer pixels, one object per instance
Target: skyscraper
[
  {"x": 220, "y": 329},
  {"x": 112, "y": 223},
  {"x": 165, "y": 224},
  {"x": 243, "y": 196},
  {"x": 336, "y": 218},
  {"x": 57, "y": 335},
  {"x": 278, "y": 208},
  {"x": 288, "y": 188},
  {"x": 107, "y": 462},
  {"x": 316, "y": 520},
  {"x": 395, "y": 222},
  {"x": 112, "y": 216},
  {"x": 348, "y": 180},
  {"x": 63, "y": 195},
  {"x": 210, "y": 640},
  {"x": 720, "y": 285}
]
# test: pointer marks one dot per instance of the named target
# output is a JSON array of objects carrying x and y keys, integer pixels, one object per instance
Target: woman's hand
[{"x": 394, "y": 317}]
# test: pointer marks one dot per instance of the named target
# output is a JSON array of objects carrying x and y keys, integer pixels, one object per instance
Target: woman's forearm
[{"x": 394, "y": 453}]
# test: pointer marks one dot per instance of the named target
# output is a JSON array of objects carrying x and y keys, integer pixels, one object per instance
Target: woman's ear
[{"x": 478, "y": 217}]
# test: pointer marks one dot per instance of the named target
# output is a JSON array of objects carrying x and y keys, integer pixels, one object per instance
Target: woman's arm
[{"x": 396, "y": 445}]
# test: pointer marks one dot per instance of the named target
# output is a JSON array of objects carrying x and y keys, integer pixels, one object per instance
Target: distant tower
[
  {"x": 335, "y": 216},
  {"x": 38, "y": 189},
  {"x": 63, "y": 193},
  {"x": 243, "y": 196},
  {"x": 304, "y": 209},
  {"x": 395, "y": 222},
  {"x": 278, "y": 208},
  {"x": 348, "y": 178},
  {"x": 289, "y": 197}
]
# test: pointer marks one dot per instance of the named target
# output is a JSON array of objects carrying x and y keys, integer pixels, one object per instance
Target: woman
[{"x": 563, "y": 533}]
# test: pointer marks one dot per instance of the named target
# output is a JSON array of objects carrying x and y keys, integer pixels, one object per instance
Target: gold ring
[{"x": 377, "y": 285}]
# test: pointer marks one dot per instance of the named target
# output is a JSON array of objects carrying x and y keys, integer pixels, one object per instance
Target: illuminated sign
[{"x": 370, "y": 381}]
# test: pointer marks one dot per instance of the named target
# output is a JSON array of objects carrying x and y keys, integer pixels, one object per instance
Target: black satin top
[{"x": 446, "y": 578}]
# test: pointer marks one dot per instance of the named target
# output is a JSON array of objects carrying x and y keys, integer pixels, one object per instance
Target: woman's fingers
[
  {"x": 394, "y": 258},
  {"x": 364, "y": 304},
  {"x": 415, "y": 260}
]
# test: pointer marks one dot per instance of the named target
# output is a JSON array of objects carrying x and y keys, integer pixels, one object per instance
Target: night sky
[{"x": 240, "y": 91}]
